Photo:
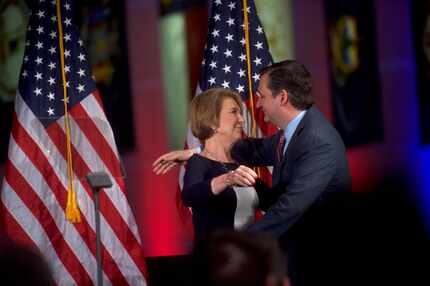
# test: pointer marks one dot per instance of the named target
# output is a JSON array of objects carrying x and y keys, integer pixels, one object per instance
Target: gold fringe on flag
[{"x": 72, "y": 210}]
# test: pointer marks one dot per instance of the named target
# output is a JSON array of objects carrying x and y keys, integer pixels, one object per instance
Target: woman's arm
[
  {"x": 198, "y": 188},
  {"x": 167, "y": 161}
]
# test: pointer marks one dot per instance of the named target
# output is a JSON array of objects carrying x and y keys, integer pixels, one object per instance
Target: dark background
[
  {"x": 420, "y": 12},
  {"x": 356, "y": 98}
]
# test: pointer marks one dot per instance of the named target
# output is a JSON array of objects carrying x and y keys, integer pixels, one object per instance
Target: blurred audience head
[
  {"x": 228, "y": 258},
  {"x": 20, "y": 265}
]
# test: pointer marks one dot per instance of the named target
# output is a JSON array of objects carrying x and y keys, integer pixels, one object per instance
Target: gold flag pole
[
  {"x": 248, "y": 62},
  {"x": 72, "y": 209}
]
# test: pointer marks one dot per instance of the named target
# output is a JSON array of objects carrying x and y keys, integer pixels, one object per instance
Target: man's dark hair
[
  {"x": 294, "y": 78},
  {"x": 228, "y": 258}
]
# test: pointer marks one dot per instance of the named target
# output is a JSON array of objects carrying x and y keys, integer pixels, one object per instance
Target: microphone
[{"x": 99, "y": 180}]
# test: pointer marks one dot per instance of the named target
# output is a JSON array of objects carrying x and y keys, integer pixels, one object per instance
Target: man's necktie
[{"x": 280, "y": 148}]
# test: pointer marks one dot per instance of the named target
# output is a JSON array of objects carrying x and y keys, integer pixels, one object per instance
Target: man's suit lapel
[{"x": 281, "y": 167}]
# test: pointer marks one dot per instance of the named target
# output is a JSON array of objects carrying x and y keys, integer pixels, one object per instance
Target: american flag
[
  {"x": 35, "y": 188},
  {"x": 227, "y": 64}
]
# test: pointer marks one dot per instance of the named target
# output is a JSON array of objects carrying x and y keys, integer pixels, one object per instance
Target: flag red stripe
[
  {"x": 37, "y": 207},
  {"x": 107, "y": 208},
  {"x": 14, "y": 229},
  {"x": 41, "y": 163}
]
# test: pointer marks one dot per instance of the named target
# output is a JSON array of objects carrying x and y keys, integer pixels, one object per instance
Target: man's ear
[{"x": 284, "y": 97}]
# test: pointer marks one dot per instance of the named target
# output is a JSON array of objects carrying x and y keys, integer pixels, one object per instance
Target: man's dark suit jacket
[{"x": 307, "y": 186}]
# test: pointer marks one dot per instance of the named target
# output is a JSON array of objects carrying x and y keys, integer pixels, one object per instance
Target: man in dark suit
[{"x": 310, "y": 172}]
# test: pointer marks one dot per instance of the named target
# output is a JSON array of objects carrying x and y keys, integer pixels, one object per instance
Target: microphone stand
[{"x": 98, "y": 181}]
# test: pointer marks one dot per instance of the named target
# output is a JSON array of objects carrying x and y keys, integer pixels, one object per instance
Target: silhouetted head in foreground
[
  {"x": 228, "y": 258},
  {"x": 20, "y": 265}
]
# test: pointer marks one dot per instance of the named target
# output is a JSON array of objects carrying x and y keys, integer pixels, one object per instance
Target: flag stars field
[{"x": 226, "y": 58}]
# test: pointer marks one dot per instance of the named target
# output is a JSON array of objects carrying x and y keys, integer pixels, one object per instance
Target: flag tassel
[{"x": 72, "y": 211}]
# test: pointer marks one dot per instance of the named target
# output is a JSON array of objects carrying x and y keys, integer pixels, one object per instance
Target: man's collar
[{"x": 292, "y": 125}]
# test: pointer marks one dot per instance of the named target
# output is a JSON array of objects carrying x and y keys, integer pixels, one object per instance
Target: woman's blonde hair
[{"x": 205, "y": 110}]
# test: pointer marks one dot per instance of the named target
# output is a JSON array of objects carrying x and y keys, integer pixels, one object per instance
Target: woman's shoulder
[
  {"x": 198, "y": 166},
  {"x": 199, "y": 160}
]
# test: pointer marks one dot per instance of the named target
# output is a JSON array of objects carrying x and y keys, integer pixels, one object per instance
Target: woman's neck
[{"x": 216, "y": 151}]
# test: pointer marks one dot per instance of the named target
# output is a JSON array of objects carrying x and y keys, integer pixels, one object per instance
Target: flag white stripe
[
  {"x": 25, "y": 218},
  {"x": 93, "y": 109}
]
